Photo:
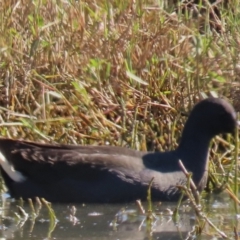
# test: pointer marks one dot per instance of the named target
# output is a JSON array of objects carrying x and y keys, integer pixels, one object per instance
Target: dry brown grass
[{"x": 65, "y": 68}]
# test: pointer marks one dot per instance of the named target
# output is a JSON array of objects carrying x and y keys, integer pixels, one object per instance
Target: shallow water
[{"x": 122, "y": 221}]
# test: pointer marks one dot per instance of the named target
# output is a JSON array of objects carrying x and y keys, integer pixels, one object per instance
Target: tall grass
[{"x": 110, "y": 72}]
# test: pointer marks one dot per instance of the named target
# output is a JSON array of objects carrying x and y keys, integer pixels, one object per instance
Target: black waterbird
[{"x": 107, "y": 174}]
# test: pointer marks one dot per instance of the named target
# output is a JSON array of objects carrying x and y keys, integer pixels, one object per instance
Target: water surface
[{"x": 117, "y": 221}]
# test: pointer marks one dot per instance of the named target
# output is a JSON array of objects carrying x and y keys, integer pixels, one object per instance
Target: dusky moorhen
[{"x": 107, "y": 174}]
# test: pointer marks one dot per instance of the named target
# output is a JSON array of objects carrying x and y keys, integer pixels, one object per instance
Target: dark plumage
[{"x": 105, "y": 174}]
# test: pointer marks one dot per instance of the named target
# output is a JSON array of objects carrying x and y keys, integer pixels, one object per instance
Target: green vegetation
[
  {"x": 111, "y": 72},
  {"x": 118, "y": 72}
]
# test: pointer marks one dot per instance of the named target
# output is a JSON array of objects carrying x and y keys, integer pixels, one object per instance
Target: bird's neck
[{"x": 193, "y": 151}]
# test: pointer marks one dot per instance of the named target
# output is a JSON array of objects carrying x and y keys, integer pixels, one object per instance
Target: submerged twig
[
  {"x": 192, "y": 184},
  {"x": 193, "y": 195}
]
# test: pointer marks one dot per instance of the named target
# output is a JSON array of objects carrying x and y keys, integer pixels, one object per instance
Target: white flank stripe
[{"x": 9, "y": 169}]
